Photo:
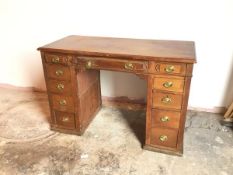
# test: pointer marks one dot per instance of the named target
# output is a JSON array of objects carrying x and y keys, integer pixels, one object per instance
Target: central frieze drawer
[{"x": 112, "y": 64}]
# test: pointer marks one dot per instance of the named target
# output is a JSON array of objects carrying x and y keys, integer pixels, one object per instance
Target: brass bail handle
[
  {"x": 59, "y": 72},
  {"x": 165, "y": 119},
  {"x": 65, "y": 119},
  {"x": 62, "y": 102},
  {"x": 169, "y": 69},
  {"x": 129, "y": 66},
  {"x": 55, "y": 59},
  {"x": 168, "y": 84},
  {"x": 60, "y": 86},
  {"x": 89, "y": 64},
  {"x": 163, "y": 138},
  {"x": 166, "y": 100}
]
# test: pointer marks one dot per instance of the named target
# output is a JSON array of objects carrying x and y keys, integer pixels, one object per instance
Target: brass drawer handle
[
  {"x": 65, "y": 119},
  {"x": 165, "y": 119},
  {"x": 166, "y": 100},
  {"x": 169, "y": 69},
  {"x": 168, "y": 84},
  {"x": 62, "y": 102},
  {"x": 60, "y": 86},
  {"x": 55, "y": 59},
  {"x": 163, "y": 138},
  {"x": 129, "y": 66},
  {"x": 59, "y": 72},
  {"x": 89, "y": 64}
]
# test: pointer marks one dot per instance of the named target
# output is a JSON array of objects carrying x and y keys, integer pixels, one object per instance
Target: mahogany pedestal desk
[{"x": 72, "y": 73}]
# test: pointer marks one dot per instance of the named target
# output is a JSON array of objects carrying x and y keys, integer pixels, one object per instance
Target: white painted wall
[{"x": 28, "y": 24}]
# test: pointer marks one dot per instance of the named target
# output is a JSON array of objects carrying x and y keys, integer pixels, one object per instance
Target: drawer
[
  {"x": 169, "y": 84},
  {"x": 167, "y": 100},
  {"x": 167, "y": 68},
  {"x": 64, "y": 119},
  {"x": 59, "y": 86},
  {"x": 112, "y": 64},
  {"x": 63, "y": 103},
  {"x": 164, "y": 137},
  {"x": 58, "y": 59},
  {"x": 57, "y": 71},
  {"x": 170, "y": 119}
]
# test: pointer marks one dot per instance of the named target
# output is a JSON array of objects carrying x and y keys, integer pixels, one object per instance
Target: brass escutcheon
[
  {"x": 169, "y": 69},
  {"x": 60, "y": 86},
  {"x": 65, "y": 119},
  {"x": 129, "y": 66},
  {"x": 62, "y": 102},
  {"x": 166, "y": 100},
  {"x": 55, "y": 59},
  {"x": 88, "y": 64},
  {"x": 59, "y": 72},
  {"x": 163, "y": 138},
  {"x": 165, "y": 119},
  {"x": 168, "y": 84}
]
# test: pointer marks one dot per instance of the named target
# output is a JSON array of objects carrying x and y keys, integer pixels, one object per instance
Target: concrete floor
[{"x": 110, "y": 146}]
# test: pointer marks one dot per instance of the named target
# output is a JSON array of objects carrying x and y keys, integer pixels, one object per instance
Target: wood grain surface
[{"x": 169, "y": 50}]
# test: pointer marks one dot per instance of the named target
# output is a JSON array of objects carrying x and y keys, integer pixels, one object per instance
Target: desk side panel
[{"x": 89, "y": 97}]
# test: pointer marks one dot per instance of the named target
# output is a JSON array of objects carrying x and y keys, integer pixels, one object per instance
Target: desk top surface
[{"x": 167, "y": 50}]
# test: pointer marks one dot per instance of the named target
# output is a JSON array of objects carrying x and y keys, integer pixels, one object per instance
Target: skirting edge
[{"x": 151, "y": 148}]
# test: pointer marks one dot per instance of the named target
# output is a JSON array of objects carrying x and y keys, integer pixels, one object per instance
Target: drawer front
[
  {"x": 57, "y": 71},
  {"x": 167, "y": 68},
  {"x": 166, "y": 100},
  {"x": 63, "y": 103},
  {"x": 162, "y": 118},
  {"x": 113, "y": 64},
  {"x": 59, "y": 86},
  {"x": 58, "y": 59},
  {"x": 169, "y": 84},
  {"x": 65, "y": 120},
  {"x": 164, "y": 137}
]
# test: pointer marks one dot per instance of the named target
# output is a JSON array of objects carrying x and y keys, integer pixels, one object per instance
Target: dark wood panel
[
  {"x": 51, "y": 117},
  {"x": 86, "y": 79},
  {"x": 90, "y": 103},
  {"x": 155, "y": 50},
  {"x": 184, "y": 111}
]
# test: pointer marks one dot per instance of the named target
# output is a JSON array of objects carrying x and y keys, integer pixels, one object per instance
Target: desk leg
[{"x": 148, "y": 108}]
